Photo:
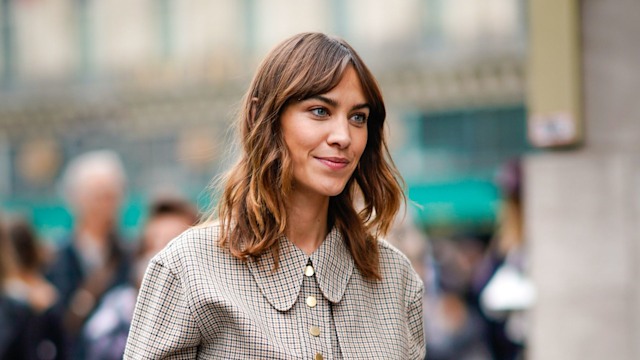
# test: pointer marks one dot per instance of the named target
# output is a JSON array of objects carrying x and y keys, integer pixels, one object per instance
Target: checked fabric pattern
[{"x": 199, "y": 302}]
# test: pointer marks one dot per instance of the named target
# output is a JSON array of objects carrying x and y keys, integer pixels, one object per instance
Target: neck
[{"x": 307, "y": 221}]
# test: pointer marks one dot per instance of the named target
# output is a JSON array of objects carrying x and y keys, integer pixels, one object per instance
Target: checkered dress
[{"x": 199, "y": 302}]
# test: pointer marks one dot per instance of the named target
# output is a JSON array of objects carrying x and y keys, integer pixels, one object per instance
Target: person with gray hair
[{"x": 92, "y": 258}]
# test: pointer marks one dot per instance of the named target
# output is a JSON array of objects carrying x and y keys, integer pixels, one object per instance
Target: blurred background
[
  {"x": 508, "y": 119},
  {"x": 160, "y": 81}
]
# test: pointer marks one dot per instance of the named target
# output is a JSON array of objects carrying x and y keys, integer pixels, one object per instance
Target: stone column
[{"x": 583, "y": 206}]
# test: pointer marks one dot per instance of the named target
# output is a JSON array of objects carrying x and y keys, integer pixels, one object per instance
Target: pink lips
[{"x": 334, "y": 163}]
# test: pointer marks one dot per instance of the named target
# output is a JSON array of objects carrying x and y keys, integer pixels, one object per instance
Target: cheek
[
  {"x": 299, "y": 143},
  {"x": 360, "y": 143}
]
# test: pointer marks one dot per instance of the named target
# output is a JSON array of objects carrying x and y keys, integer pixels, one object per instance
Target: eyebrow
[{"x": 334, "y": 103}]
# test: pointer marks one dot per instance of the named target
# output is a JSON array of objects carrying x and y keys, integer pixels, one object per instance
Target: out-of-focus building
[{"x": 159, "y": 81}]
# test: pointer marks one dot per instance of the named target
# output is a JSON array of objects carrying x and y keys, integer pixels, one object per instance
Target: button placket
[{"x": 314, "y": 318}]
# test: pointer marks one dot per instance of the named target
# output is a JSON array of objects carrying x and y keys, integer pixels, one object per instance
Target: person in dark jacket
[
  {"x": 93, "y": 258},
  {"x": 43, "y": 335}
]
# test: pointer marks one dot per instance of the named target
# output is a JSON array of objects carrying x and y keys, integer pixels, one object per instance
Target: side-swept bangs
[{"x": 308, "y": 65}]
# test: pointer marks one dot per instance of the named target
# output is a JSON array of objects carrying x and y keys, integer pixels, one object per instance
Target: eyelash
[
  {"x": 364, "y": 118},
  {"x": 326, "y": 113}
]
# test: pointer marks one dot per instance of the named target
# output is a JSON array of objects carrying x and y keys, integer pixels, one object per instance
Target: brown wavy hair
[{"x": 252, "y": 208}]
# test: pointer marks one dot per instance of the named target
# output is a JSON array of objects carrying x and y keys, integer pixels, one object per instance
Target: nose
[{"x": 340, "y": 134}]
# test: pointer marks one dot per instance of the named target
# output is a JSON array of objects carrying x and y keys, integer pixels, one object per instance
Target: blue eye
[
  {"x": 320, "y": 112},
  {"x": 359, "y": 119}
]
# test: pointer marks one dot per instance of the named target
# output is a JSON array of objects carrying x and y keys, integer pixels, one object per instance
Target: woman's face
[{"x": 326, "y": 135}]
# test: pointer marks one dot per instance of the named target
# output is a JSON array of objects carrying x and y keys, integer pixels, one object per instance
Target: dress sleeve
[
  {"x": 416, "y": 325},
  {"x": 163, "y": 326}
]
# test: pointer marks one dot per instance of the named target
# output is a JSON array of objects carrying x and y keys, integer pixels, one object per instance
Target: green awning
[{"x": 458, "y": 203}]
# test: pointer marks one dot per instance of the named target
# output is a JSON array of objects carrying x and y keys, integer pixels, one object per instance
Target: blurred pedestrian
[
  {"x": 503, "y": 286},
  {"x": 27, "y": 278},
  {"x": 93, "y": 258},
  {"x": 289, "y": 267},
  {"x": 15, "y": 314},
  {"x": 44, "y": 333},
  {"x": 105, "y": 334}
]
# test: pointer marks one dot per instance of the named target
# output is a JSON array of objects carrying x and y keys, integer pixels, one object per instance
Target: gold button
[
  {"x": 311, "y": 301},
  {"x": 318, "y": 356},
  {"x": 314, "y": 330},
  {"x": 309, "y": 270}
]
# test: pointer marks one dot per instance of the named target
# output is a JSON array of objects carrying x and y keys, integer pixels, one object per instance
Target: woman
[
  {"x": 15, "y": 314},
  {"x": 30, "y": 326},
  {"x": 44, "y": 332},
  {"x": 288, "y": 267}
]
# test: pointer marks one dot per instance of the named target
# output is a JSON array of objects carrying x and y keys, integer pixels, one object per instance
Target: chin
[{"x": 334, "y": 191}]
